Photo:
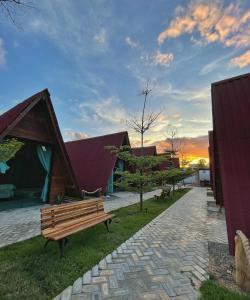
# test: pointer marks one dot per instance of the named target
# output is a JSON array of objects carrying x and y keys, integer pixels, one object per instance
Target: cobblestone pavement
[
  {"x": 166, "y": 259},
  {"x": 19, "y": 224},
  {"x": 24, "y": 223},
  {"x": 122, "y": 199}
]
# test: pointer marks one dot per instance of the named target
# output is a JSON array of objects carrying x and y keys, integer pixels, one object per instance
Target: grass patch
[
  {"x": 28, "y": 271},
  {"x": 210, "y": 290}
]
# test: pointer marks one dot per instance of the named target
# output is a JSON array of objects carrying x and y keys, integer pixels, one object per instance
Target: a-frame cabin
[
  {"x": 40, "y": 171},
  {"x": 93, "y": 165}
]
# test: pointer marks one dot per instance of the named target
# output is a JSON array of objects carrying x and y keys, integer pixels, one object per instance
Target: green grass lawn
[
  {"x": 210, "y": 290},
  {"x": 28, "y": 271}
]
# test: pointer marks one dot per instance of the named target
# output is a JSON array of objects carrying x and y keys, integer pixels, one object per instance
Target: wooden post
[{"x": 242, "y": 261}]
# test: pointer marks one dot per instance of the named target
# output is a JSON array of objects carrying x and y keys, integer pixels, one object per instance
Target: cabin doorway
[{"x": 26, "y": 182}]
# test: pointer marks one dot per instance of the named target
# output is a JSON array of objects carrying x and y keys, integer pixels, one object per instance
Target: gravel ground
[{"x": 222, "y": 266}]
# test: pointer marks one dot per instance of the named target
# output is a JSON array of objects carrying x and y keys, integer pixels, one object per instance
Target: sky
[{"x": 96, "y": 56}]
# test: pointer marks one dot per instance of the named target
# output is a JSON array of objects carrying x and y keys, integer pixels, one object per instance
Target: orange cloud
[
  {"x": 162, "y": 59},
  {"x": 229, "y": 25},
  {"x": 195, "y": 147},
  {"x": 242, "y": 60}
]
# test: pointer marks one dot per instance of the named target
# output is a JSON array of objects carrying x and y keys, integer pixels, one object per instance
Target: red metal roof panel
[
  {"x": 231, "y": 111},
  {"x": 92, "y": 163}
]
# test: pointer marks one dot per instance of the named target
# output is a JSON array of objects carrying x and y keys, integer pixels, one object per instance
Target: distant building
[
  {"x": 170, "y": 163},
  {"x": 200, "y": 178},
  {"x": 148, "y": 150}
]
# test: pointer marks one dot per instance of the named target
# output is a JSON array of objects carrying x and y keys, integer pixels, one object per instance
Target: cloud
[
  {"x": 156, "y": 59},
  {"x": 75, "y": 33},
  {"x": 107, "y": 114},
  {"x": 101, "y": 37},
  {"x": 242, "y": 60},
  {"x": 193, "y": 146},
  {"x": 2, "y": 53},
  {"x": 162, "y": 59},
  {"x": 198, "y": 95},
  {"x": 229, "y": 25},
  {"x": 132, "y": 44},
  {"x": 71, "y": 135},
  {"x": 216, "y": 64}
]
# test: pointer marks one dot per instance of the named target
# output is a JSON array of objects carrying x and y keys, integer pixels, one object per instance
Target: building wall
[{"x": 231, "y": 124}]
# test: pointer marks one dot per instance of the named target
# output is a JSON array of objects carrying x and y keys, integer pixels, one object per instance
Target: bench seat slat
[
  {"x": 67, "y": 205},
  {"x": 76, "y": 228},
  {"x": 60, "y": 221},
  {"x": 72, "y": 222},
  {"x": 56, "y": 211},
  {"x": 69, "y": 215}
]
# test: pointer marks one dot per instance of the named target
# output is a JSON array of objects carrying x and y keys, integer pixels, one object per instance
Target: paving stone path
[
  {"x": 166, "y": 259},
  {"x": 24, "y": 223}
]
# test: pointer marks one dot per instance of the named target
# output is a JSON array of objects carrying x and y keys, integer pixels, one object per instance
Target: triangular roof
[
  {"x": 147, "y": 151},
  {"x": 92, "y": 163},
  {"x": 12, "y": 117}
]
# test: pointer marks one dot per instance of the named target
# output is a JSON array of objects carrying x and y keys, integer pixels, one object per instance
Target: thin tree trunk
[{"x": 141, "y": 173}]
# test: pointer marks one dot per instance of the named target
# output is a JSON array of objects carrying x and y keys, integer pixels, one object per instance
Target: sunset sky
[{"x": 96, "y": 56}]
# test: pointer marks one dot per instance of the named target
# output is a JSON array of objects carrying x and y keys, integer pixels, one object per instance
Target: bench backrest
[{"x": 57, "y": 214}]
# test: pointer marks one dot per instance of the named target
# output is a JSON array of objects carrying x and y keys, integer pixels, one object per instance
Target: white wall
[{"x": 203, "y": 175}]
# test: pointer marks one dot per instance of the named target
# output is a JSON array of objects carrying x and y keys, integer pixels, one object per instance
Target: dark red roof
[
  {"x": 231, "y": 123},
  {"x": 149, "y": 150},
  {"x": 11, "y": 115},
  {"x": 92, "y": 163}
]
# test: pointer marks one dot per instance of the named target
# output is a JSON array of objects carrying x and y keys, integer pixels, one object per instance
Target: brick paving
[
  {"x": 24, "y": 223},
  {"x": 19, "y": 224},
  {"x": 166, "y": 259}
]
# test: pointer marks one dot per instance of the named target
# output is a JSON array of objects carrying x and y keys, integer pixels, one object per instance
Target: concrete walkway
[
  {"x": 24, "y": 223},
  {"x": 167, "y": 259}
]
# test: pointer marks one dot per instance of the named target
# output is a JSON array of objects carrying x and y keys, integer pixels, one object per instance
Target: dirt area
[{"x": 222, "y": 266}]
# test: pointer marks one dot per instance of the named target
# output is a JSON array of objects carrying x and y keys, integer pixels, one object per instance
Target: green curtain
[
  {"x": 111, "y": 183},
  {"x": 45, "y": 156},
  {"x": 3, "y": 167},
  {"x": 120, "y": 165}
]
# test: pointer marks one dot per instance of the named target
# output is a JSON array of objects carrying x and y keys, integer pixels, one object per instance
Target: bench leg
[
  {"x": 46, "y": 243},
  {"x": 61, "y": 244},
  {"x": 106, "y": 224}
]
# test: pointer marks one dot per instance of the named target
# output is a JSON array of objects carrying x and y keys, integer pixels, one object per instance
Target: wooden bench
[
  {"x": 165, "y": 193},
  {"x": 60, "y": 221}
]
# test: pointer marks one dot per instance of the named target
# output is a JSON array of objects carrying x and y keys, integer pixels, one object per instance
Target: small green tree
[
  {"x": 143, "y": 171},
  {"x": 172, "y": 176},
  {"x": 9, "y": 148}
]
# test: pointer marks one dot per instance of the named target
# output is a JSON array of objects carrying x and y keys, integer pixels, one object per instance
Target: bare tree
[
  {"x": 182, "y": 150},
  {"x": 141, "y": 126},
  {"x": 10, "y": 8},
  {"x": 172, "y": 136}
]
